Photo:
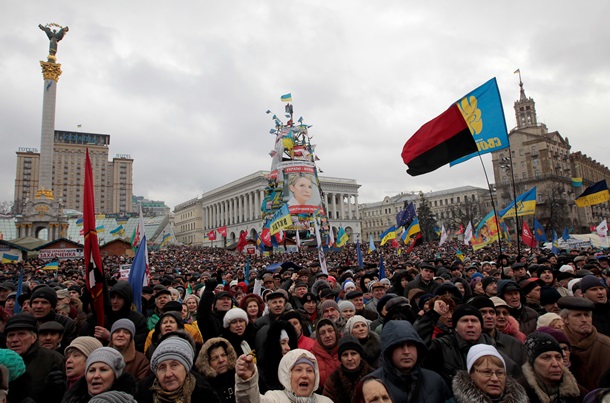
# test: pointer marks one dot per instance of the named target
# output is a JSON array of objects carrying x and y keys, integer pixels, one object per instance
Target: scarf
[
  {"x": 180, "y": 395},
  {"x": 578, "y": 342},
  {"x": 299, "y": 399}
]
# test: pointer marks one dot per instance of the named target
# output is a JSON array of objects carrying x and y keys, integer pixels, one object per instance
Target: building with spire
[{"x": 542, "y": 158}]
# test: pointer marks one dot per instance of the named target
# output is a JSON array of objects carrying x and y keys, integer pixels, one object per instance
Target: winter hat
[
  {"x": 124, "y": 324},
  {"x": 21, "y": 322},
  {"x": 537, "y": 343},
  {"x": 488, "y": 280},
  {"x": 547, "y": 319},
  {"x": 349, "y": 326},
  {"x": 349, "y": 342},
  {"x": 505, "y": 286},
  {"x": 108, "y": 356},
  {"x": 590, "y": 281},
  {"x": 346, "y": 305},
  {"x": 465, "y": 310},
  {"x": 348, "y": 284},
  {"x": 328, "y": 304},
  {"x": 557, "y": 334},
  {"x": 481, "y": 350},
  {"x": 549, "y": 295},
  {"x": 233, "y": 314},
  {"x": 284, "y": 335},
  {"x": 384, "y": 300},
  {"x": 84, "y": 344},
  {"x": 45, "y": 293},
  {"x": 13, "y": 362},
  {"x": 173, "y": 348},
  {"x": 481, "y": 302},
  {"x": 113, "y": 396},
  {"x": 566, "y": 268}
]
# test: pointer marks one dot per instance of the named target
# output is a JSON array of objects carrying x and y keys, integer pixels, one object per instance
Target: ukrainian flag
[
  {"x": 526, "y": 205},
  {"x": 79, "y": 222},
  {"x": 99, "y": 229},
  {"x": 280, "y": 220},
  {"x": 388, "y": 235},
  {"x": 342, "y": 238},
  {"x": 577, "y": 182},
  {"x": 118, "y": 230},
  {"x": 411, "y": 231},
  {"x": 286, "y": 98},
  {"x": 596, "y": 194},
  {"x": 8, "y": 258},
  {"x": 51, "y": 266}
]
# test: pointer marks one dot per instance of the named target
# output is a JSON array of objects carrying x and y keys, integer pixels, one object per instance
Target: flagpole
[{"x": 493, "y": 204}]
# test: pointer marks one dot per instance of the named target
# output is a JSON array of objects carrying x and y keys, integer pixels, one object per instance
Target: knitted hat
[
  {"x": 124, "y": 324},
  {"x": 108, "y": 356},
  {"x": 481, "y": 302},
  {"x": 590, "y": 282},
  {"x": 328, "y": 304},
  {"x": 346, "y": 305},
  {"x": 557, "y": 334},
  {"x": 173, "y": 348},
  {"x": 84, "y": 344},
  {"x": 349, "y": 326},
  {"x": 465, "y": 310},
  {"x": 113, "y": 396},
  {"x": 349, "y": 343},
  {"x": 549, "y": 295},
  {"x": 488, "y": 280},
  {"x": 481, "y": 350},
  {"x": 348, "y": 284},
  {"x": 13, "y": 362},
  {"x": 233, "y": 314},
  {"x": 21, "y": 322},
  {"x": 537, "y": 343},
  {"x": 45, "y": 293},
  {"x": 547, "y": 319}
]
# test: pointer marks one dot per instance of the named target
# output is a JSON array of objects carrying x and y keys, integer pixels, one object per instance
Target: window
[{"x": 521, "y": 152}]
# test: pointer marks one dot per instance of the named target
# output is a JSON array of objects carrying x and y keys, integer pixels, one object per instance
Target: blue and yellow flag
[
  {"x": 526, "y": 205},
  {"x": 388, "y": 235},
  {"x": 411, "y": 231},
  {"x": 342, "y": 237},
  {"x": 51, "y": 266},
  {"x": 539, "y": 232},
  {"x": 166, "y": 237},
  {"x": 79, "y": 222},
  {"x": 99, "y": 229},
  {"x": 371, "y": 244},
  {"x": 8, "y": 258},
  {"x": 437, "y": 230},
  {"x": 595, "y": 194},
  {"x": 577, "y": 182},
  {"x": 118, "y": 230},
  {"x": 459, "y": 255},
  {"x": 286, "y": 98},
  {"x": 555, "y": 244},
  {"x": 485, "y": 120},
  {"x": 280, "y": 220}
]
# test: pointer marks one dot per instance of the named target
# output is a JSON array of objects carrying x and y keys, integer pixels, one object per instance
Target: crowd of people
[{"x": 221, "y": 326}]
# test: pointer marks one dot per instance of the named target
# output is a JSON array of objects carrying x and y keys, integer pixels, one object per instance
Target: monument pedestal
[{"x": 44, "y": 212}]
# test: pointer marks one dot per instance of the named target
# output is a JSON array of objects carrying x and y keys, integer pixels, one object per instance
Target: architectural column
[
  {"x": 349, "y": 207},
  {"x": 334, "y": 204},
  {"x": 248, "y": 206},
  {"x": 342, "y": 207},
  {"x": 356, "y": 205},
  {"x": 237, "y": 200},
  {"x": 232, "y": 209}
]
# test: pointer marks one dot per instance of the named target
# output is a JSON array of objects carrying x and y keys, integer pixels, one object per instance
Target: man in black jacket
[{"x": 43, "y": 302}]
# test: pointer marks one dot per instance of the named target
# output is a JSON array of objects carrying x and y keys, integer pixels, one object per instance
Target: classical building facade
[
  {"x": 238, "y": 206},
  {"x": 113, "y": 179},
  {"x": 450, "y": 207},
  {"x": 540, "y": 158}
]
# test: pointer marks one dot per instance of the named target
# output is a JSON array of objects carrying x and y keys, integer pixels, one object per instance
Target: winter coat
[
  {"x": 328, "y": 361},
  {"x": 419, "y": 385},
  {"x": 79, "y": 393},
  {"x": 136, "y": 362},
  {"x": 306, "y": 343},
  {"x": 526, "y": 317},
  {"x": 39, "y": 362},
  {"x": 372, "y": 349},
  {"x": 223, "y": 384},
  {"x": 429, "y": 287},
  {"x": 465, "y": 391},
  {"x": 246, "y": 391},
  {"x": 203, "y": 392},
  {"x": 591, "y": 352},
  {"x": 236, "y": 341},
  {"x": 341, "y": 384},
  {"x": 601, "y": 318},
  {"x": 510, "y": 346},
  {"x": 208, "y": 320},
  {"x": 569, "y": 391}
]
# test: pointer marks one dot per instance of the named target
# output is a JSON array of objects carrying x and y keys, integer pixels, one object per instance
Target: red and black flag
[
  {"x": 473, "y": 123},
  {"x": 94, "y": 272}
]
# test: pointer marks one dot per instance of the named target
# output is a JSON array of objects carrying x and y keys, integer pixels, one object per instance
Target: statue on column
[{"x": 54, "y": 36}]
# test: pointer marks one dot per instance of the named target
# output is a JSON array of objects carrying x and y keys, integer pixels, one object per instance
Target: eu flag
[{"x": 405, "y": 217}]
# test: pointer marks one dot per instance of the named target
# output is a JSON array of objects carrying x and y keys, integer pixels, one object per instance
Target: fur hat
[
  {"x": 108, "y": 356},
  {"x": 233, "y": 314},
  {"x": 173, "y": 348}
]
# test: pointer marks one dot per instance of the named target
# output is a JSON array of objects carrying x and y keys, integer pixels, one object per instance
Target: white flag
[
  {"x": 602, "y": 229},
  {"x": 468, "y": 233},
  {"x": 444, "y": 235},
  {"x": 298, "y": 240}
]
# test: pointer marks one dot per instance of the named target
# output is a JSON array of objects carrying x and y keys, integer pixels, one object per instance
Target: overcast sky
[{"x": 183, "y": 86}]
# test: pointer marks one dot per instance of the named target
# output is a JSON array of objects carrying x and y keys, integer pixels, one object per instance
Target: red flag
[
  {"x": 94, "y": 272},
  {"x": 280, "y": 236},
  {"x": 266, "y": 236},
  {"x": 222, "y": 231},
  {"x": 414, "y": 242},
  {"x": 461, "y": 230},
  {"x": 528, "y": 237},
  {"x": 242, "y": 241},
  {"x": 395, "y": 243},
  {"x": 212, "y": 235}
]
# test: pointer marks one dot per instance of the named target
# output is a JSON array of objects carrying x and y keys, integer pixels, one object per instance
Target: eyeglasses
[{"x": 488, "y": 373}]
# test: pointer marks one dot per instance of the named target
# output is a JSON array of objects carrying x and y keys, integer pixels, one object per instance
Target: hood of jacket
[
  {"x": 123, "y": 289},
  {"x": 288, "y": 361},
  {"x": 394, "y": 334},
  {"x": 202, "y": 363}
]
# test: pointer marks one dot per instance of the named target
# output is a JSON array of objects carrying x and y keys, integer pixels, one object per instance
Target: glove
[
  {"x": 56, "y": 381},
  {"x": 210, "y": 284}
]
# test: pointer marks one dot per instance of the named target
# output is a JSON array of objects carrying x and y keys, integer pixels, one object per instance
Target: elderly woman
[
  {"x": 103, "y": 372},
  {"x": 340, "y": 385},
  {"x": 238, "y": 330},
  {"x": 358, "y": 326},
  {"x": 172, "y": 379},
  {"x": 326, "y": 349},
  {"x": 298, "y": 373},
  {"x": 76, "y": 357},
  {"x": 371, "y": 390},
  {"x": 121, "y": 339},
  {"x": 216, "y": 361},
  {"x": 545, "y": 377},
  {"x": 486, "y": 380},
  {"x": 168, "y": 322}
]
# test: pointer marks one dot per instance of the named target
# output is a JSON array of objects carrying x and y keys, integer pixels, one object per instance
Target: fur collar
[
  {"x": 202, "y": 364},
  {"x": 567, "y": 388},
  {"x": 465, "y": 391}
]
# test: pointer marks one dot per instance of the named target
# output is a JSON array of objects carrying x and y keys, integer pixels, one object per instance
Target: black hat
[
  {"x": 481, "y": 302},
  {"x": 147, "y": 290},
  {"x": 161, "y": 291},
  {"x": 488, "y": 280},
  {"x": 384, "y": 300},
  {"x": 321, "y": 274},
  {"x": 549, "y": 295},
  {"x": 8, "y": 285},
  {"x": 220, "y": 295},
  {"x": 45, "y": 293},
  {"x": 22, "y": 298},
  {"x": 529, "y": 284},
  {"x": 292, "y": 315},
  {"x": 542, "y": 269},
  {"x": 301, "y": 284},
  {"x": 537, "y": 343},
  {"x": 74, "y": 288},
  {"x": 310, "y": 296},
  {"x": 590, "y": 282},
  {"x": 349, "y": 343},
  {"x": 575, "y": 303},
  {"x": 51, "y": 327},
  {"x": 354, "y": 294},
  {"x": 328, "y": 293},
  {"x": 505, "y": 286},
  {"x": 174, "y": 306},
  {"x": 427, "y": 266},
  {"x": 465, "y": 310},
  {"x": 21, "y": 322},
  {"x": 277, "y": 293}
]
